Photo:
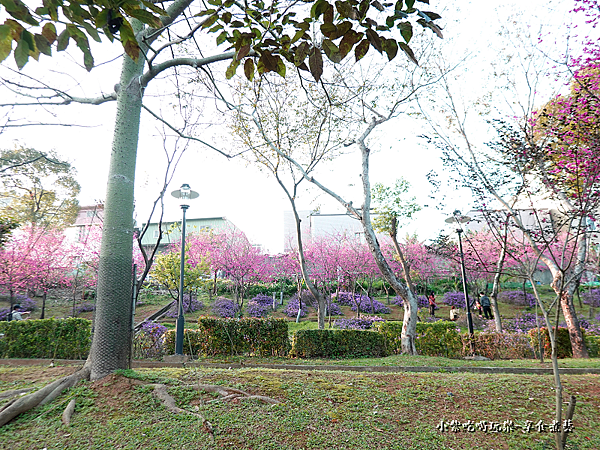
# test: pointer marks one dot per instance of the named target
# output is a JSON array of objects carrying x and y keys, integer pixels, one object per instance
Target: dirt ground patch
[{"x": 37, "y": 374}]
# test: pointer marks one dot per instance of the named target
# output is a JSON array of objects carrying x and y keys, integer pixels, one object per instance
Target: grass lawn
[{"x": 318, "y": 410}]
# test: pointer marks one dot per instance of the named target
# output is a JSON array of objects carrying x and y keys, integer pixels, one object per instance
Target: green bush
[
  {"x": 46, "y": 338},
  {"x": 433, "y": 339},
  {"x": 252, "y": 336},
  {"x": 338, "y": 344},
  {"x": 498, "y": 345},
  {"x": 191, "y": 342},
  {"x": 592, "y": 344},
  {"x": 288, "y": 288},
  {"x": 563, "y": 342}
]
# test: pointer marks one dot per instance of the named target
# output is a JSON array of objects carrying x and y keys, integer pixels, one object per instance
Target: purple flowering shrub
[
  {"x": 590, "y": 326},
  {"x": 291, "y": 309},
  {"x": 517, "y": 298},
  {"x": 190, "y": 304},
  {"x": 365, "y": 306},
  {"x": 456, "y": 299},
  {"x": 591, "y": 297},
  {"x": 149, "y": 341},
  {"x": 224, "y": 307},
  {"x": 520, "y": 324},
  {"x": 255, "y": 309},
  {"x": 259, "y": 306},
  {"x": 4, "y": 313},
  {"x": 334, "y": 310},
  {"x": 355, "y": 323},
  {"x": 85, "y": 307},
  {"x": 264, "y": 300},
  {"x": 422, "y": 301},
  {"x": 344, "y": 298}
]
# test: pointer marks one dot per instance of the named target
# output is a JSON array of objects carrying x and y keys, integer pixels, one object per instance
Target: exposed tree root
[
  {"x": 13, "y": 393},
  {"x": 45, "y": 395},
  {"x": 68, "y": 412},
  {"x": 160, "y": 392},
  {"x": 19, "y": 405},
  {"x": 226, "y": 393}
]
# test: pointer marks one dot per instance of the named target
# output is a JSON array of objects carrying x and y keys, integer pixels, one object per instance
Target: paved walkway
[{"x": 305, "y": 367}]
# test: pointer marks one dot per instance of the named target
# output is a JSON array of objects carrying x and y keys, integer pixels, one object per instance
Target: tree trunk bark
[
  {"x": 110, "y": 344},
  {"x": 409, "y": 325},
  {"x": 44, "y": 296}
]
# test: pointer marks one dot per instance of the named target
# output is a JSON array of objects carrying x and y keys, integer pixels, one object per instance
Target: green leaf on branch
[
  {"x": 361, "y": 49},
  {"x": 390, "y": 47},
  {"x": 374, "y": 39},
  {"x": 378, "y": 6},
  {"x": 328, "y": 14},
  {"x": 91, "y": 31},
  {"x": 21, "y": 54},
  {"x": 20, "y": 11},
  {"x": 315, "y": 63},
  {"x": 280, "y": 66},
  {"x": 249, "y": 69},
  {"x": 242, "y": 52},
  {"x": 221, "y": 38},
  {"x": 350, "y": 39},
  {"x": 406, "y": 31},
  {"x": 101, "y": 19},
  {"x": 5, "y": 42},
  {"x": 63, "y": 41},
  {"x": 406, "y": 49},
  {"x": 346, "y": 10},
  {"x": 210, "y": 21},
  {"x": 301, "y": 53},
  {"x": 230, "y": 72},
  {"x": 144, "y": 16},
  {"x": 328, "y": 30},
  {"x": 130, "y": 44},
  {"x": 42, "y": 44},
  {"x": 318, "y": 8},
  {"x": 332, "y": 51},
  {"x": 152, "y": 7},
  {"x": 49, "y": 32}
]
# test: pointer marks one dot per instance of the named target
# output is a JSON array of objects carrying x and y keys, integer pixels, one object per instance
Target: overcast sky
[{"x": 247, "y": 197}]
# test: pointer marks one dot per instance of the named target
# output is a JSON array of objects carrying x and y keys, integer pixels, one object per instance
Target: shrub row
[
  {"x": 498, "y": 345},
  {"x": 338, "y": 344},
  {"x": 563, "y": 342},
  {"x": 433, "y": 339},
  {"x": 46, "y": 338},
  {"x": 245, "y": 336}
]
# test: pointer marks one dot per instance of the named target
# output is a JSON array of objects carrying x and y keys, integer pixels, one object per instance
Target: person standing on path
[
  {"x": 486, "y": 305},
  {"x": 432, "y": 304}
]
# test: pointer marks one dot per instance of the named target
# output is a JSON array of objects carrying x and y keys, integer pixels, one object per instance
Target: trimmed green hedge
[
  {"x": 251, "y": 336},
  {"x": 563, "y": 342},
  {"x": 498, "y": 345},
  {"x": 592, "y": 343},
  {"x": 46, "y": 338},
  {"x": 338, "y": 344},
  {"x": 439, "y": 338}
]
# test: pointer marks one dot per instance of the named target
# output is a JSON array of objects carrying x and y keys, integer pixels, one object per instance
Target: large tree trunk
[
  {"x": 570, "y": 315},
  {"x": 110, "y": 344}
]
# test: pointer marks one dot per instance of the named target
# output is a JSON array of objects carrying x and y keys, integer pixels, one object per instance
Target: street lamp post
[
  {"x": 184, "y": 194},
  {"x": 458, "y": 219}
]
